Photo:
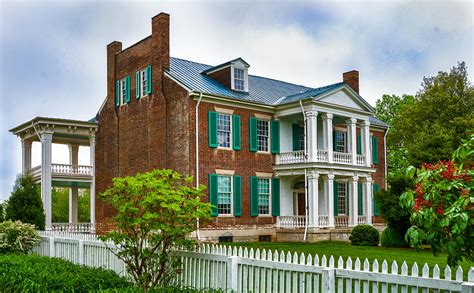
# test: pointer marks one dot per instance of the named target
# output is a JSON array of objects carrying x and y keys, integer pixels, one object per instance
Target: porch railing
[
  {"x": 291, "y": 157},
  {"x": 291, "y": 221},
  {"x": 361, "y": 220},
  {"x": 71, "y": 169},
  {"x": 341, "y": 221},
  {"x": 73, "y": 227},
  {"x": 342, "y": 158},
  {"x": 360, "y": 160},
  {"x": 322, "y": 155},
  {"x": 323, "y": 221}
]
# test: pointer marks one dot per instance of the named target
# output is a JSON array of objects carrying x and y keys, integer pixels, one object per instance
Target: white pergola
[{"x": 73, "y": 133}]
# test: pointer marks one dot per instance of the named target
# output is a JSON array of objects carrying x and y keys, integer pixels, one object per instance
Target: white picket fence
[{"x": 248, "y": 270}]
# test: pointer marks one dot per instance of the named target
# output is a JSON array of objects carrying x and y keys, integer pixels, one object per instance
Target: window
[
  {"x": 262, "y": 135},
  {"x": 340, "y": 142},
  {"x": 341, "y": 197},
  {"x": 143, "y": 82},
  {"x": 224, "y": 195},
  {"x": 123, "y": 91},
  {"x": 223, "y": 130},
  {"x": 265, "y": 238},
  {"x": 263, "y": 196},
  {"x": 239, "y": 81},
  {"x": 224, "y": 239}
]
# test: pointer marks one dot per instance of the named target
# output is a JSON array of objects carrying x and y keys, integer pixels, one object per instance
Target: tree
[
  {"x": 443, "y": 206},
  {"x": 156, "y": 212},
  {"x": 25, "y": 203},
  {"x": 60, "y": 205},
  {"x": 387, "y": 109},
  {"x": 441, "y": 116}
]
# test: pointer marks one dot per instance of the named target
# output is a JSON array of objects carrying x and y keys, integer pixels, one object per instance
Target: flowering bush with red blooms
[{"x": 442, "y": 205}]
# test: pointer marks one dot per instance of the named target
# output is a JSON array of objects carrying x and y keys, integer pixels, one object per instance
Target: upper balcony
[
  {"x": 65, "y": 172},
  {"x": 299, "y": 157}
]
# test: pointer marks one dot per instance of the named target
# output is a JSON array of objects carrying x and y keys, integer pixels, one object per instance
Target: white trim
[
  {"x": 341, "y": 129},
  {"x": 269, "y": 198},
  {"x": 223, "y": 110},
  {"x": 231, "y": 142},
  {"x": 224, "y": 101},
  {"x": 263, "y": 116},
  {"x": 231, "y": 214},
  {"x": 225, "y": 172},
  {"x": 269, "y": 137},
  {"x": 264, "y": 174},
  {"x": 142, "y": 89}
]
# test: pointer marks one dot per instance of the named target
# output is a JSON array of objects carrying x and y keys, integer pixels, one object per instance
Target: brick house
[{"x": 281, "y": 161}]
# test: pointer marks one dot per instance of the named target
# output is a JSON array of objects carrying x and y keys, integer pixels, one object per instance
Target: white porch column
[
  {"x": 330, "y": 196},
  {"x": 311, "y": 135},
  {"x": 46, "y": 159},
  {"x": 26, "y": 156},
  {"x": 368, "y": 199},
  {"x": 352, "y": 139},
  {"x": 92, "y": 187},
  {"x": 365, "y": 138},
  {"x": 327, "y": 133},
  {"x": 313, "y": 207},
  {"x": 73, "y": 190},
  {"x": 353, "y": 203}
]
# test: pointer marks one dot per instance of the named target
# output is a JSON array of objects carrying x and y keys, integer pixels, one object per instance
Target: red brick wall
[{"x": 379, "y": 175}]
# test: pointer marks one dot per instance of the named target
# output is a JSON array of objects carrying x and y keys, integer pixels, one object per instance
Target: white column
[
  {"x": 313, "y": 208},
  {"x": 73, "y": 190},
  {"x": 354, "y": 198},
  {"x": 352, "y": 139},
  {"x": 327, "y": 132},
  {"x": 46, "y": 159},
  {"x": 26, "y": 156},
  {"x": 368, "y": 199},
  {"x": 92, "y": 187},
  {"x": 330, "y": 196},
  {"x": 311, "y": 134},
  {"x": 365, "y": 138}
]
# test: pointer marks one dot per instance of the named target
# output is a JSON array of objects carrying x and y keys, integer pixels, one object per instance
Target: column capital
[
  {"x": 327, "y": 116},
  {"x": 313, "y": 175},
  {"x": 92, "y": 138},
  {"x": 365, "y": 123},
  {"x": 330, "y": 176},
  {"x": 26, "y": 143},
  {"x": 354, "y": 178},
  {"x": 368, "y": 179},
  {"x": 46, "y": 135},
  {"x": 351, "y": 121},
  {"x": 311, "y": 113}
]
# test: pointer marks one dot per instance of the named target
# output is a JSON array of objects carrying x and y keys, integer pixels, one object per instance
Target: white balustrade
[
  {"x": 361, "y": 220},
  {"x": 322, "y": 155},
  {"x": 291, "y": 157},
  {"x": 323, "y": 221},
  {"x": 71, "y": 169},
  {"x": 291, "y": 221},
  {"x": 72, "y": 227},
  {"x": 341, "y": 221},
  {"x": 360, "y": 160},
  {"x": 342, "y": 158}
]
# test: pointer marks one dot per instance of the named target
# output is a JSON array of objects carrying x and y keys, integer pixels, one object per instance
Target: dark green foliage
[
  {"x": 393, "y": 214},
  {"x": 392, "y": 238},
  {"x": 2, "y": 216},
  {"x": 364, "y": 235},
  {"x": 25, "y": 203},
  {"x": 60, "y": 205},
  {"x": 32, "y": 273}
]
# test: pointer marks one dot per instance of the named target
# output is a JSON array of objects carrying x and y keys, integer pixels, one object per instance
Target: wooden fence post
[
  {"x": 328, "y": 280},
  {"x": 467, "y": 288},
  {"x": 51, "y": 247},
  {"x": 81, "y": 259},
  {"x": 232, "y": 273}
]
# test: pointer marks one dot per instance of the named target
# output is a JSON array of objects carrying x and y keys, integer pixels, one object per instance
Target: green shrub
[
  {"x": 364, "y": 235},
  {"x": 392, "y": 238},
  {"x": 17, "y": 237},
  {"x": 33, "y": 273}
]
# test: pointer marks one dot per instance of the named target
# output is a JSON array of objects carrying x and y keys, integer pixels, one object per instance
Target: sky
[{"x": 53, "y": 54}]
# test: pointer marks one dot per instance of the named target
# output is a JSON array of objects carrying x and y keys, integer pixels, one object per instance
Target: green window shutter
[
  {"x": 275, "y": 136},
  {"x": 336, "y": 208},
  {"x": 149, "y": 79},
  {"x": 237, "y": 196},
  {"x": 127, "y": 86},
  {"x": 117, "y": 93},
  {"x": 361, "y": 206},
  {"x": 253, "y": 134},
  {"x": 236, "y": 144},
  {"x": 334, "y": 140},
  {"x": 375, "y": 150},
  {"x": 213, "y": 193},
  {"x": 376, "y": 208},
  {"x": 137, "y": 84},
  {"x": 253, "y": 196},
  {"x": 212, "y": 129},
  {"x": 275, "y": 197},
  {"x": 359, "y": 144},
  {"x": 296, "y": 137}
]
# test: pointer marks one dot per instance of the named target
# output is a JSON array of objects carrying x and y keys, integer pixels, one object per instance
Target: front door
[{"x": 301, "y": 204}]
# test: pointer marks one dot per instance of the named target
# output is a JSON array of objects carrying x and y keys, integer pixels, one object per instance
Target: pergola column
[
  {"x": 46, "y": 160},
  {"x": 311, "y": 134},
  {"x": 352, "y": 139},
  {"x": 330, "y": 196},
  {"x": 92, "y": 186},
  {"x": 354, "y": 200},
  {"x": 26, "y": 156},
  {"x": 368, "y": 199},
  {"x": 313, "y": 208},
  {"x": 327, "y": 133},
  {"x": 366, "y": 142},
  {"x": 73, "y": 190}
]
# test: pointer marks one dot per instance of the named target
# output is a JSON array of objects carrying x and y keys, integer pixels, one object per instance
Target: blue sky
[{"x": 52, "y": 54}]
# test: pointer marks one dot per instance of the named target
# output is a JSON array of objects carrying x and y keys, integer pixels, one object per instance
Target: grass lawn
[{"x": 344, "y": 249}]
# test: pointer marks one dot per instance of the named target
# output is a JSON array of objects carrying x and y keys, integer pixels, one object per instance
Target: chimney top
[{"x": 352, "y": 79}]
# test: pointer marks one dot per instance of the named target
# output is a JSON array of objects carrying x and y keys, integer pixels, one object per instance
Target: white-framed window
[
  {"x": 263, "y": 196},
  {"x": 341, "y": 141},
  {"x": 239, "y": 79},
  {"x": 342, "y": 198},
  {"x": 224, "y": 130},
  {"x": 143, "y": 82},
  {"x": 224, "y": 195},
  {"x": 123, "y": 91},
  {"x": 263, "y": 135}
]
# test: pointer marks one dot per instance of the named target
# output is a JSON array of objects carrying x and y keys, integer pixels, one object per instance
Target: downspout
[
  {"x": 305, "y": 175},
  {"x": 385, "y": 156},
  {"x": 197, "y": 159}
]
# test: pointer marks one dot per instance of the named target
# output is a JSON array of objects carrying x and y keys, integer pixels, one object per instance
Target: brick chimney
[
  {"x": 112, "y": 50},
  {"x": 160, "y": 32},
  {"x": 352, "y": 79}
]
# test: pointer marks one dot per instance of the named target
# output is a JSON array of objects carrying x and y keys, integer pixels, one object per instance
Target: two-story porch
[{"x": 74, "y": 134}]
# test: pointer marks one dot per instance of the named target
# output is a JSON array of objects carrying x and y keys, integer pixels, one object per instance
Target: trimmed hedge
[
  {"x": 364, "y": 235},
  {"x": 33, "y": 273},
  {"x": 392, "y": 238}
]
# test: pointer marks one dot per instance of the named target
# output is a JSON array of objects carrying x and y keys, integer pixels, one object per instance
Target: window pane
[
  {"x": 340, "y": 142},
  {"x": 224, "y": 195},
  {"x": 144, "y": 82},
  {"x": 223, "y": 130},
  {"x": 239, "y": 79},
  {"x": 341, "y": 197},
  {"x": 263, "y": 196},
  {"x": 262, "y": 135}
]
